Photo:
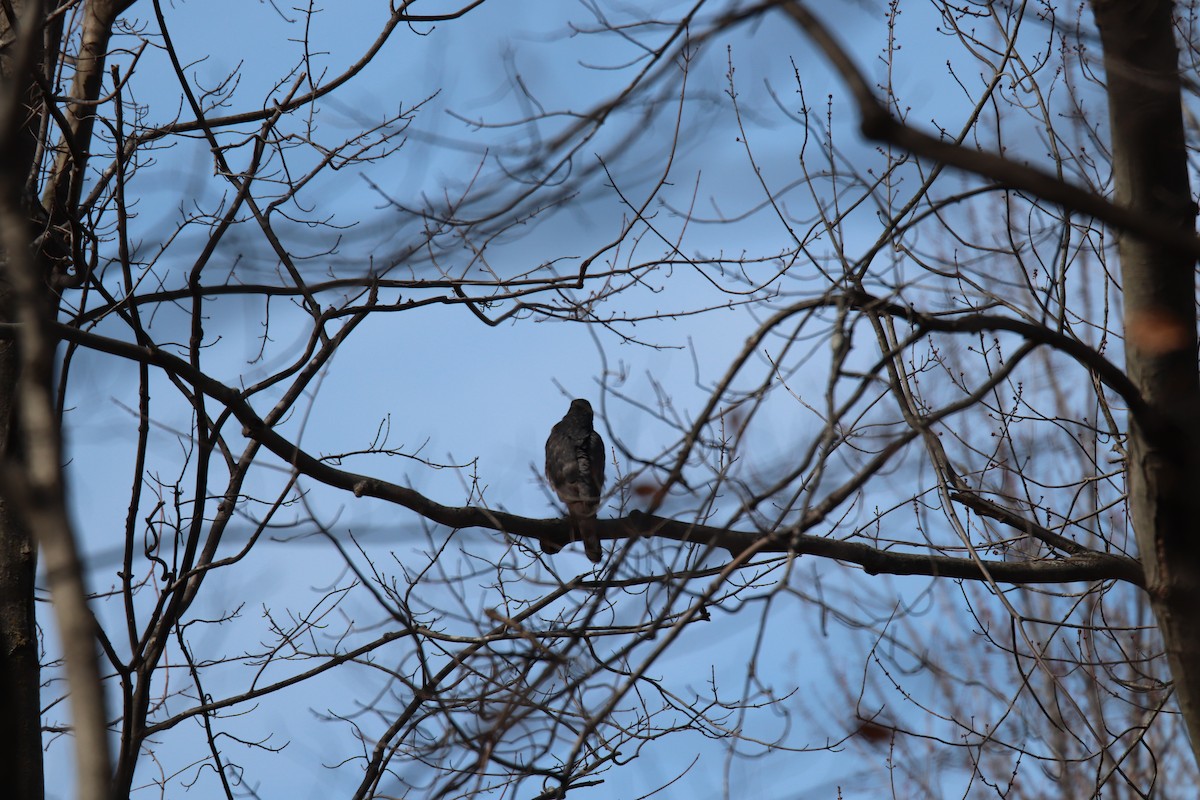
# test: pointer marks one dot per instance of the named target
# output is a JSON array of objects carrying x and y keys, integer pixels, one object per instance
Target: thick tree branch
[
  {"x": 1084, "y": 566},
  {"x": 1109, "y": 373},
  {"x": 879, "y": 125}
]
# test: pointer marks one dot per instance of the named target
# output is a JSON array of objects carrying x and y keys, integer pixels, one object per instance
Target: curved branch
[
  {"x": 1086, "y": 566},
  {"x": 1109, "y": 373},
  {"x": 879, "y": 125}
]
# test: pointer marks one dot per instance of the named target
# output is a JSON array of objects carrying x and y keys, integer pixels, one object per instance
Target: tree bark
[
  {"x": 21, "y": 746},
  {"x": 20, "y": 675},
  {"x": 1150, "y": 176}
]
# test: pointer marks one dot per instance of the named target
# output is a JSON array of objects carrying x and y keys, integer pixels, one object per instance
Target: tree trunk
[
  {"x": 1150, "y": 176},
  {"x": 20, "y": 677},
  {"x": 21, "y": 746}
]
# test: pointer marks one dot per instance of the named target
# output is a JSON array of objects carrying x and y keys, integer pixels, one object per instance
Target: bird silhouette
[{"x": 575, "y": 469}]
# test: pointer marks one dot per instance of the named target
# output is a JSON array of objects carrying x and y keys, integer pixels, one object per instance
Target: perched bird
[{"x": 575, "y": 469}]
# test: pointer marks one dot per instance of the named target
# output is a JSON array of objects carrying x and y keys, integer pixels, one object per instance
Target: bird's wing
[
  {"x": 594, "y": 446},
  {"x": 560, "y": 459}
]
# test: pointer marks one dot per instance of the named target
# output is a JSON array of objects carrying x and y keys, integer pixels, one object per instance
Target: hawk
[{"x": 575, "y": 469}]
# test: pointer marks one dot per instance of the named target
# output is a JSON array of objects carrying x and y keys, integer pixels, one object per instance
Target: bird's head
[{"x": 581, "y": 409}]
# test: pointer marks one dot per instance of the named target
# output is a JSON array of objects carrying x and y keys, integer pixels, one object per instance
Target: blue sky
[{"x": 463, "y": 392}]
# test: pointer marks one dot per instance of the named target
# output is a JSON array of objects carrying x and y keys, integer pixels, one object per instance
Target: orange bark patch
[{"x": 1157, "y": 332}]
